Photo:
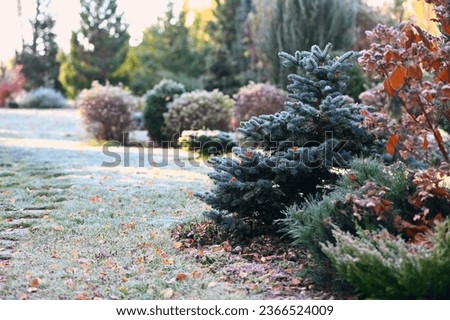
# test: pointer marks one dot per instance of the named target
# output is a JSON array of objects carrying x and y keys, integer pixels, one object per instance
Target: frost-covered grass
[{"x": 102, "y": 232}]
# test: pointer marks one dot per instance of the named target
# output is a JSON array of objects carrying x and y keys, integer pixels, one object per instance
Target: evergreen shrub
[
  {"x": 371, "y": 197},
  {"x": 156, "y": 101},
  {"x": 207, "y": 142},
  {"x": 384, "y": 266},
  {"x": 299, "y": 149},
  {"x": 197, "y": 110},
  {"x": 44, "y": 98}
]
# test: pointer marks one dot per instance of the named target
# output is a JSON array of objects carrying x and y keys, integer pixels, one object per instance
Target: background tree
[
  {"x": 38, "y": 58},
  {"x": 297, "y": 25},
  {"x": 227, "y": 63},
  {"x": 98, "y": 49},
  {"x": 168, "y": 50},
  {"x": 221, "y": 71}
]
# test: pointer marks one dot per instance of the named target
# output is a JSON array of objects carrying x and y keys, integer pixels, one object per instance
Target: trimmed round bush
[
  {"x": 156, "y": 101},
  {"x": 256, "y": 99},
  {"x": 106, "y": 111},
  {"x": 197, "y": 110},
  {"x": 44, "y": 98}
]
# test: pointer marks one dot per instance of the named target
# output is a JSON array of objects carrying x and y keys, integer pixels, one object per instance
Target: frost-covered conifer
[{"x": 298, "y": 149}]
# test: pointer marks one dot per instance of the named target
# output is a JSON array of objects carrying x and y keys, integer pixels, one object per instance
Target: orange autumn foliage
[{"x": 414, "y": 66}]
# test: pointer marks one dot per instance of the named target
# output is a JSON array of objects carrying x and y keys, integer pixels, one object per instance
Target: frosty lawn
[{"x": 71, "y": 229}]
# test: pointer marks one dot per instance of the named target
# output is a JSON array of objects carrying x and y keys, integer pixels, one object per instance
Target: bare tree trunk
[{"x": 19, "y": 14}]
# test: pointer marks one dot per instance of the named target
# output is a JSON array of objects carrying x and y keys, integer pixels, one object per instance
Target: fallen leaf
[
  {"x": 82, "y": 296},
  {"x": 124, "y": 278},
  {"x": 177, "y": 245},
  {"x": 167, "y": 293},
  {"x": 227, "y": 246},
  {"x": 254, "y": 287},
  {"x": 242, "y": 274},
  {"x": 132, "y": 225},
  {"x": 181, "y": 277},
  {"x": 295, "y": 282},
  {"x": 70, "y": 270},
  {"x": 109, "y": 263},
  {"x": 139, "y": 260},
  {"x": 96, "y": 199},
  {"x": 36, "y": 282},
  {"x": 167, "y": 262},
  {"x": 153, "y": 234},
  {"x": 277, "y": 288},
  {"x": 86, "y": 268},
  {"x": 196, "y": 275},
  {"x": 74, "y": 254},
  {"x": 160, "y": 253},
  {"x": 70, "y": 283},
  {"x": 53, "y": 253},
  {"x": 58, "y": 228}
]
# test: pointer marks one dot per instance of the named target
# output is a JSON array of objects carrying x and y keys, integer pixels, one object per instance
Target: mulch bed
[{"x": 265, "y": 264}]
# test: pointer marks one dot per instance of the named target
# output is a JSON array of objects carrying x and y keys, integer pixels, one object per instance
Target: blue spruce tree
[{"x": 298, "y": 150}]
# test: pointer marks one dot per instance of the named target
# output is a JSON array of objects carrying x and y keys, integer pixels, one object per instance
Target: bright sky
[{"x": 138, "y": 13}]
